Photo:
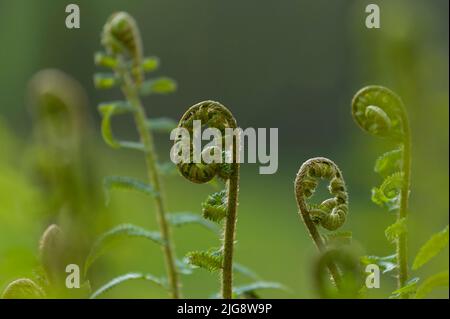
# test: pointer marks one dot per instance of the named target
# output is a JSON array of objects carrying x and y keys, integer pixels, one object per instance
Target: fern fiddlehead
[
  {"x": 222, "y": 204},
  {"x": 122, "y": 41},
  {"x": 50, "y": 277},
  {"x": 331, "y": 213},
  {"x": 60, "y": 155},
  {"x": 380, "y": 112}
]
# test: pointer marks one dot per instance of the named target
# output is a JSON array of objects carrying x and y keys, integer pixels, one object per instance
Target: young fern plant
[
  {"x": 329, "y": 214},
  {"x": 380, "y": 112},
  {"x": 50, "y": 278},
  {"x": 124, "y": 56},
  {"x": 221, "y": 205},
  {"x": 60, "y": 155}
]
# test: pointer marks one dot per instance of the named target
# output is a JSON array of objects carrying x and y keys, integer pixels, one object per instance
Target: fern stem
[
  {"x": 402, "y": 256},
  {"x": 304, "y": 188},
  {"x": 229, "y": 236},
  {"x": 318, "y": 241},
  {"x": 131, "y": 92}
]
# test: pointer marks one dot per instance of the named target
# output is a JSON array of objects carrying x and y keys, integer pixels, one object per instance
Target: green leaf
[
  {"x": 161, "y": 85},
  {"x": 386, "y": 264},
  {"x": 408, "y": 289},
  {"x": 389, "y": 163},
  {"x": 396, "y": 229},
  {"x": 23, "y": 288},
  {"x": 388, "y": 194},
  {"x": 210, "y": 260},
  {"x": 435, "y": 281},
  {"x": 431, "y": 248},
  {"x": 150, "y": 63},
  {"x": 108, "y": 110},
  {"x": 105, "y": 60},
  {"x": 245, "y": 271},
  {"x": 126, "y": 183},
  {"x": 186, "y": 218},
  {"x": 117, "y": 233},
  {"x": 127, "y": 277},
  {"x": 105, "y": 81},
  {"x": 161, "y": 124},
  {"x": 215, "y": 206}
]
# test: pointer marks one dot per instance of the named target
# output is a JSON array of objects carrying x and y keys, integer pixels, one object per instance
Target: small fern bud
[
  {"x": 23, "y": 288},
  {"x": 51, "y": 250},
  {"x": 121, "y": 36}
]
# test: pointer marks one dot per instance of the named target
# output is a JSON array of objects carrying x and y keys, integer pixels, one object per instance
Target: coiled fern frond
[
  {"x": 223, "y": 204},
  {"x": 381, "y": 112},
  {"x": 331, "y": 213}
]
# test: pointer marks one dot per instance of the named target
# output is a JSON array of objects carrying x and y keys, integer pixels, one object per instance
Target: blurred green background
[{"x": 294, "y": 65}]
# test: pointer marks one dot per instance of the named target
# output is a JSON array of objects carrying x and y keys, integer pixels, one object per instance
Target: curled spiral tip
[
  {"x": 52, "y": 92},
  {"x": 350, "y": 281},
  {"x": 379, "y": 111},
  {"x": 121, "y": 36},
  {"x": 51, "y": 250},
  {"x": 215, "y": 115},
  {"x": 331, "y": 213},
  {"x": 23, "y": 288}
]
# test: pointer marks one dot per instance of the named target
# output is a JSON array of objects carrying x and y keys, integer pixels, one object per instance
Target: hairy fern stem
[
  {"x": 229, "y": 236},
  {"x": 402, "y": 241},
  {"x": 221, "y": 205},
  {"x": 331, "y": 213},
  {"x": 380, "y": 112},
  {"x": 130, "y": 90}
]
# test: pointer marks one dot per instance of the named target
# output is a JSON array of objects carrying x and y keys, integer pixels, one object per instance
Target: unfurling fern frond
[
  {"x": 389, "y": 163},
  {"x": 331, "y": 213},
  {"x": 124, "y": 56},
  {"x": 120, "y": 37},
  {"x": 23, "y": 288},
  {"x": 388, "y": 194},
  {"x": 380, "y": 112},
  {"x": 350, "y": 279},
  {"x": 215, "y": 206},
  {"x": 221, "y": 205}
]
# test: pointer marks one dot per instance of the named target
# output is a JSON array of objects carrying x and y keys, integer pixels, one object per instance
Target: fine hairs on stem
[
  {"x": 380, "y": 112},
  {"x": 122, "y": 41},
  {"x": 331, "y": 213},
  {"x": 222, "y": 204}
]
